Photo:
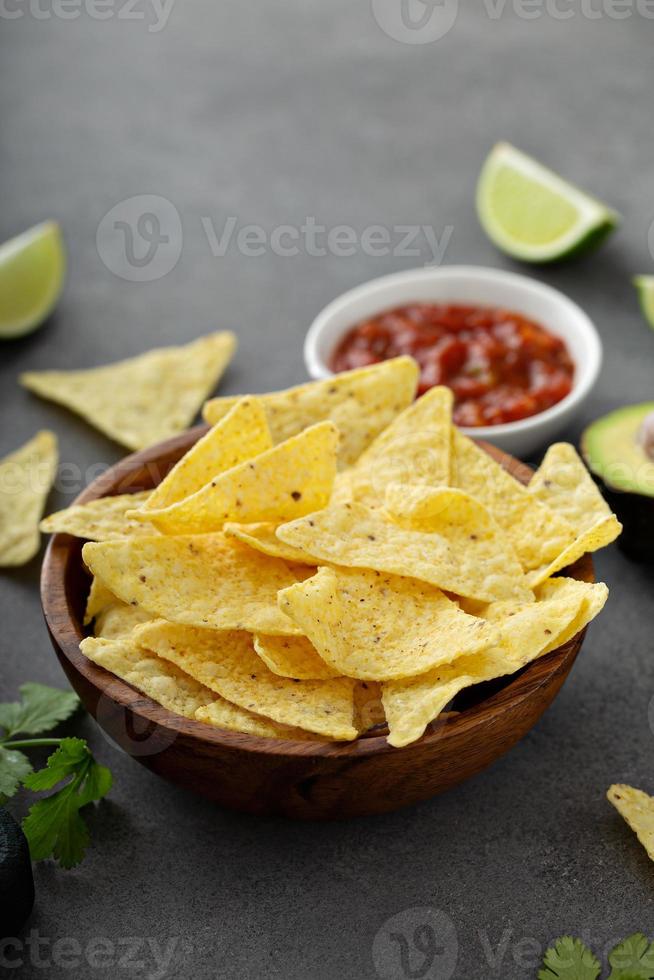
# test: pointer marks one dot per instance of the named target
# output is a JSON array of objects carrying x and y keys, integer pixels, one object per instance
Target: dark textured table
[{"x": 300, "y": 114}]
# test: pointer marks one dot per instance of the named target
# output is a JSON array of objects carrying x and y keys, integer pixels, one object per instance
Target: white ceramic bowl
[{"x": 485, "y": 287}]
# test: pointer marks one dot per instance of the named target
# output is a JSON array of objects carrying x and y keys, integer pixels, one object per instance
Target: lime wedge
[
  {"x": 532, "y": 214},
  {"x": 32, "y": 269},
  {"x": 645, "y": 288}
]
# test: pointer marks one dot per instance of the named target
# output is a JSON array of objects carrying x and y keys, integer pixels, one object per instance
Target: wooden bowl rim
[{"x": 67, "y": 631}]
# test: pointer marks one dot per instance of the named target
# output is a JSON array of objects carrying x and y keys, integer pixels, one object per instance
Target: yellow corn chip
[
  {"x": 226, "y": 662},
  {"x": 466, "y": 558},
  {"x": 224, "y": 714},
  {"x": 99, "y": 598},
  {"x": 285, "y": 482},
  {"x": 637, "y": 809},
  {"x": 144, "y": 399},
  {"x": 240, "y": 435},
  {"x": 599, "y": 535},
  {"x": 100, "y": 520},
  {"x": 343, "y": 490},
  {"x": 414, "y": 449},
  {"x": 204, "y": 580},
  {"x": 118, "y": 620},
  {"x": 293, "y": 656},
  {"x": 563, "y": 483},
  {"x": 360, "y": 403},
  {"x": 594, "y": 598},
  {"x": 262, "y": 537},
  {"x": 26, "y": 477},
  {"x": 538, "y": 533},
  {"x": 170, "y": 687},
  {"x": 375, "y": 626},
  {"x": 368, "y": 707},
  {"x": 112, "y": 618},
  {"x": 155, "y": 677},
  {"x": 525, "y": 634}
]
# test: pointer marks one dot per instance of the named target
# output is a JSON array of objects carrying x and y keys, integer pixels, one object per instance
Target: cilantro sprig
[
  {"x": 570, "y": 959},
  {"x": 54, "y": 826}
]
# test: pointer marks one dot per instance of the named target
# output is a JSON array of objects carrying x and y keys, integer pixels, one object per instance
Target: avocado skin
[
  {"x": 636, "y": 514},
  {"x": 16, "y": 879},
  {"x": 634, "y": 510}
]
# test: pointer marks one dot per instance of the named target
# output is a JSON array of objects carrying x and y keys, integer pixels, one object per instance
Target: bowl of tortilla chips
[{"x": 327, "y": 603}]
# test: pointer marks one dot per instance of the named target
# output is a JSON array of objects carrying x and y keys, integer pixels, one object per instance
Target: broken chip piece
[{"x": 637, "y": 809}]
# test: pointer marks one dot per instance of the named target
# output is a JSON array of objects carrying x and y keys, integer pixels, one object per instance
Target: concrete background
[{"x": 270, "y": 114}]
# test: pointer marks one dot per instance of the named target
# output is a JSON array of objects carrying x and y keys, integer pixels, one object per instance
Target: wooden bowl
[{"x": 310, "y": 780}]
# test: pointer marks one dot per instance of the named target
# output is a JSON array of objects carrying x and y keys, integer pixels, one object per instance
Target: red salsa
[{"x": 500, "y": 365}]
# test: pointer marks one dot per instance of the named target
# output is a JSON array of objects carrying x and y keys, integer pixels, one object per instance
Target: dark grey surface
[{"x": 271, "y": 113}]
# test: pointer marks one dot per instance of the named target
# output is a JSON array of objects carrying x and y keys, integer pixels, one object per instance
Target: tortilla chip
[
  {"x": 145, "y": 399},
  {"x": 240, "y": 435},
  {"x": 343, "y": 489},
  {"x": 118, "y": 620},
  {"x": 197, "y": 580},
  {"x": 465, "y": 558},
  {"x": 170, "y": 687},
  {"x": 525, "y": 634},
  {"x": 601, "y": 534},
  {"x": 538, "y": 533},
  {"x": 225, "y": 661},
  {"x": 360, "y": 403},
  {"x": 637, "y": 809},
  {"x": 99, "y": 598},
  {"x": 111, "y": 617},
  {"x": 293, "y": 656},
  {"x": 26, "y": 477},
  {"x": 368, "y": 707},
  {"x": 160, "y": 680},
  {"x": 414, "y": 449},
  {"x": 380, "y": 627},
  {"x": 224, "y": 714},
  {"x": 262, "y": 537},
  {"x": 283, "y": 483},
  {"x": 563, "y": 483},
  {"x": 594, "y": 598},
  {"x": 103, "y": 519}
]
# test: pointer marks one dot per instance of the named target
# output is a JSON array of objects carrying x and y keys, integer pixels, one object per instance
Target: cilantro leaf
[
  {"x": 569, "y": 959},
  {"x": 54, "y": 825},
  {"x": 632, "y": 959},
  {"x": 14, "y": 767},
  {"x": 67, "y": 759},
  {"x": 40, "y": 709}
]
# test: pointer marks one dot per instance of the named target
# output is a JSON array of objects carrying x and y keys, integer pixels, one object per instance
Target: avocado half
[
  {"x": 619, "y": 452},
  {"x": 16, "y": 879}
]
